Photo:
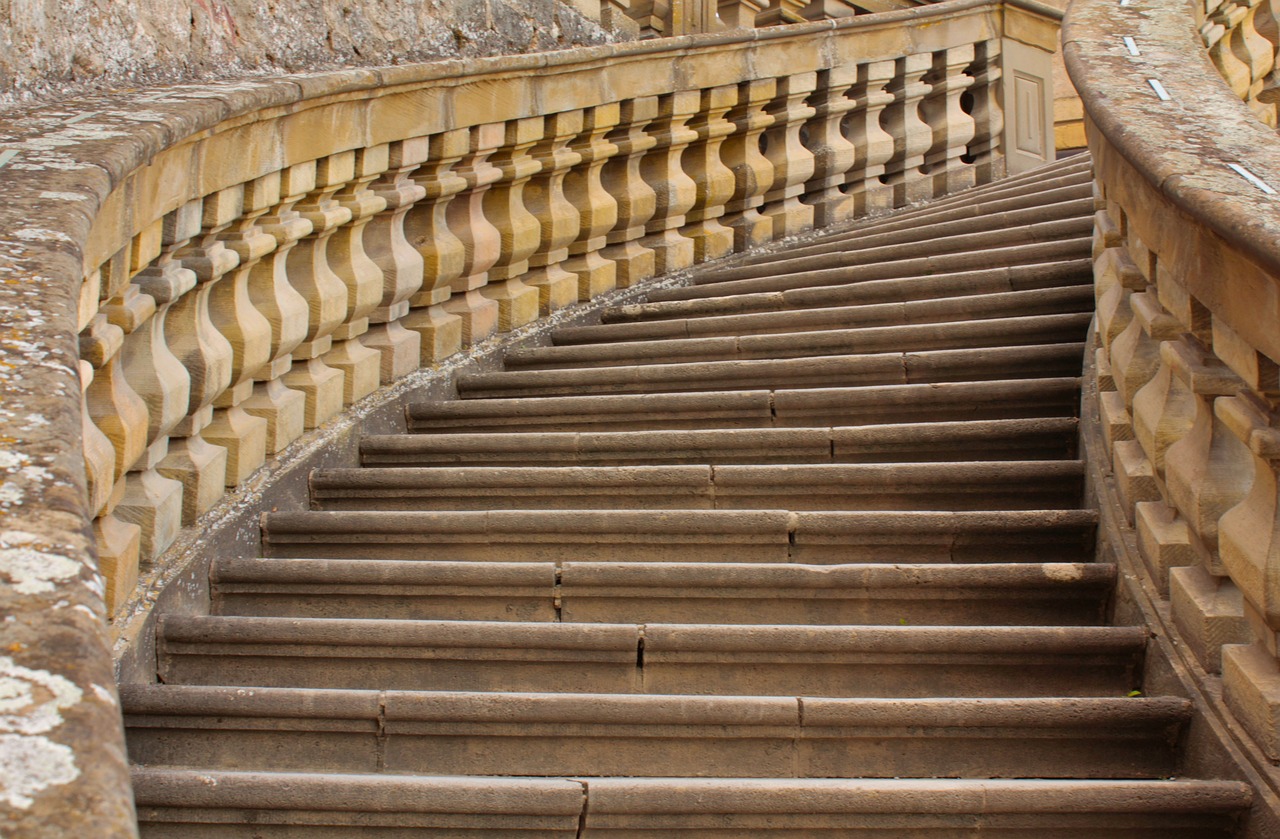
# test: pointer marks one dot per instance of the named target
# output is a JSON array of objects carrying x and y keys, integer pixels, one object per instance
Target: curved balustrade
[
  {"x": 1187, "y": 268},
  {"x": 242, "y": 262}
]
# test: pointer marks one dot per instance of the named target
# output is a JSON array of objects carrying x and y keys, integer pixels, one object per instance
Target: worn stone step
[
  {"x": 654, "y": 658},
  {"x": 183, "y": 803},
  {"x": 1043, "y": 222},
  {"x": 1014, "y": 439},
  {"x": 1068, "y": 189},
  {"x": 926, "y": 290},
  {"x": 902, "y": 267},
  {"x": 1074, "y": 594},
  {"x": 1031, "y": 189},
  {"x": 685, "y": 536},
  {"x": 1000, "y": 304},
  {"x": 432, "y": 733},
  {"x": 630, "y": 808},
  {"x": 1058, "y": 358},
  {"x": 1001, "y": 485},
  {"x": 909, "y": 337},
  {"x": 777, "y": 408}
]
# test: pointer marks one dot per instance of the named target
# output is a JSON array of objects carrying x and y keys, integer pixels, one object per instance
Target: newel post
[{"x": 1027, "y": 47}]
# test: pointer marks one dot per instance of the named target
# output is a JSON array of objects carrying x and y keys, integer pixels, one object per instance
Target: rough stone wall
[{"x": 49, "y": 48}]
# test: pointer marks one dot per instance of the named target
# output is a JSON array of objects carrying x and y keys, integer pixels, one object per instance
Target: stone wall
[{"x": 49, "y": 48}]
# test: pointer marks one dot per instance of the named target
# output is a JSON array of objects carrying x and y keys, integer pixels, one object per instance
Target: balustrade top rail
[{"x": 189, "y": 276}]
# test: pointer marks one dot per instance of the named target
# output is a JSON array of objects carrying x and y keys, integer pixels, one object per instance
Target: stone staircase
[{"x": 796, "y": 550}]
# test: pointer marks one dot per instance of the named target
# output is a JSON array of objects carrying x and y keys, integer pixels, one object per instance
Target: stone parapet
[
  {"x": 194, "y": 277},
  {"x": 1187, "y": 274}
]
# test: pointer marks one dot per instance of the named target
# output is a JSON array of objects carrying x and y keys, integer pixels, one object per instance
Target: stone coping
[{"x": 1184, "y": 147}]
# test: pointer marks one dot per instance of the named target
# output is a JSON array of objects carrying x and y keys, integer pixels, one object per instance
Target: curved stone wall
[
  {"x": 191, "y": 277},
  {"x": 1187, "y": 397}
]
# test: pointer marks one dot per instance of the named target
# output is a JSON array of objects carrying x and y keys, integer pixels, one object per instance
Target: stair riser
[
  {"x": 656, "y": 750},
  {"x": 1052, "y": 205},
  {"x": 902, "y": 267},
  {"x": 798, "y": 446},
  {"x": 963, "y": 365},
  {"x": 1032, "y": 608},
  {"x": 1009, "y": 674},
  {"x": 1001, "y": 399},
  {"x": 1048, "y": 329},
  {"x": 924, "y": 294},
  {"x": 973, "y": 301}
]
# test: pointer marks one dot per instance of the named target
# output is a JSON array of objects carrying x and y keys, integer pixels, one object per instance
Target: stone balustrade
[
  {"x": 192, "y": 278},
  {"x": 1187, "y": 270}
]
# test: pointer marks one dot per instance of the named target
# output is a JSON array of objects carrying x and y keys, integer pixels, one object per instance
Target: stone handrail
[
  {"x": 1187, "y": 270},
  {"x": 192, "y": 277}
]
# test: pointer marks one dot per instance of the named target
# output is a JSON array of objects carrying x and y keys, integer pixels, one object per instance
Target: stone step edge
[
  {"x": 573, "y": 798},
  {"x": 834, "y": 438},
  {"x": 801, "y": 712}
]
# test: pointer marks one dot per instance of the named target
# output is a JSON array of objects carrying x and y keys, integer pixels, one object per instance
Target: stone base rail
[
  {"x": 1187, "y": 271},
  {"x": 193, "y": 277}
]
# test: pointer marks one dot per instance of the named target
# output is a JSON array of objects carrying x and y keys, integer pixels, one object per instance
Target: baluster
[
  {"x": 988, "y": 116},
  {"x": 443, "y": 254},
  {"x": 781, "y": 11},
  {"x": 284, "y": 409},
  {"x": 207, "y": 357},
  {"x": 714, "y": 180},
  {"x": 912, "y": 135},
  {"x": 150, "y": 500},
  {"x": 673, "y": 189},
  {"x": 864, "y": 126},
  {"x": 1207, "y": 472},
  {"x": 623, "y": 178},
  {"x": 752, "y": 171},
  {"x": 833, "y": 154},
  {"x": 519, "y": 228},
  {"x": 235, "y": 213},
  {"x": 793, "y": 163},
  {"x": 116, "y": 416},
  {"x": 740, "y": 14},
  {"x": 361, "y": 278},
  {"x": 481, "y": 241},
  {"x": 953, "y": 129},
  {"x": 584, "y": 188},
  {"x": 1164, "y": 408},
  {"x": 324, "y": 292},
  {"x": 400, "y": 263},
  {"x": 559, "y": 221}
]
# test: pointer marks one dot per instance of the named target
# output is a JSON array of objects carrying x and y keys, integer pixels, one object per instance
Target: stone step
[
  {"x": 176, "y": 803},
  {"x": 1015, "y": 439},
  {"x": 1030, "y": 189},
  {"x": 1051, "y": 300},
  {"x": 1063, "y": 594},
  {"x": 433, "y": 733},
  {"x": 505, "y": 656},
  {"x": 776, "y": 536},
  {"x": 1041, "y": 223},
  {"x": 1057, "y": 358},
  {"x": 903, "y": 266},
  {"x": 1001, "y": 485},
  {"x": 938, "y": 290},
  {"x": 1030, "y": 397},
  {"x": 1071, "y": 188},
  {"x": 909, "y": 337}
]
